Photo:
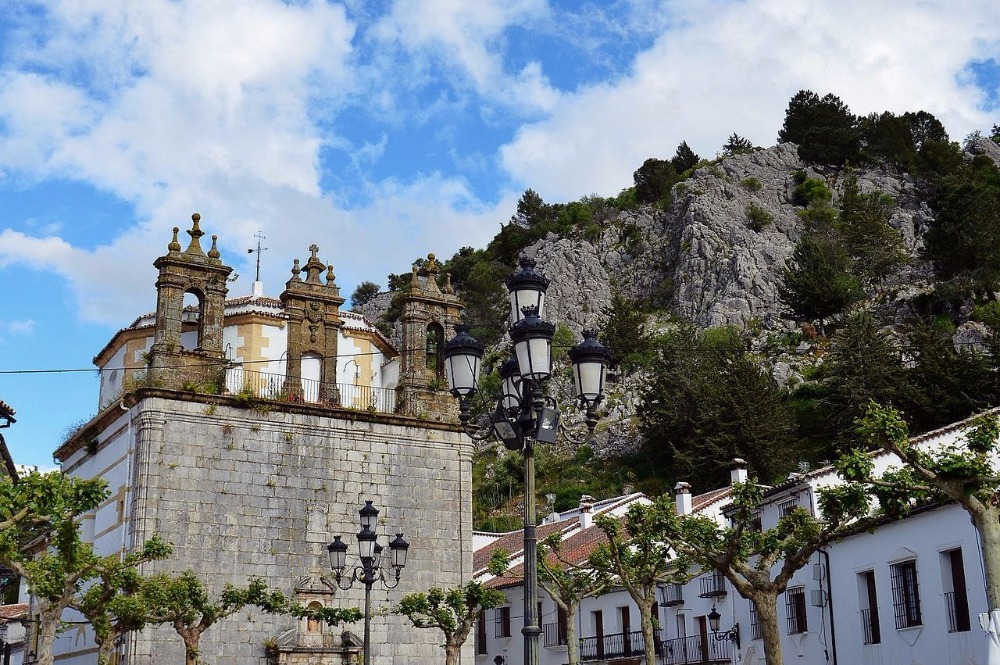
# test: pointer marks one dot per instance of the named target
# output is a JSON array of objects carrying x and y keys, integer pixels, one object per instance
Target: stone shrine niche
[
  {"x": 191, "y": 290},
  {"x": 313, "y": 308},
  {"x": 429, "y": 314}
]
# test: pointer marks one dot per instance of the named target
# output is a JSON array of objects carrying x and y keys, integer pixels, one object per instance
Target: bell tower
[
  {"x": 429, "y": 315},
  {"x": 314, "y": 325},
  {"x": 187, "y": 343}
]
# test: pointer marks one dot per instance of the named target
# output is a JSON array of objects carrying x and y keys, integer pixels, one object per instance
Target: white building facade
[{"x": 910, "y": 593}]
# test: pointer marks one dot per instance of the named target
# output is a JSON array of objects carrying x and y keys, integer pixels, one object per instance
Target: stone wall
[{"x": 243, "y": 493}]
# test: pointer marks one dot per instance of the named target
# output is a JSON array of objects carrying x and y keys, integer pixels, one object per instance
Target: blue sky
[{"x": 384, "y": 130}]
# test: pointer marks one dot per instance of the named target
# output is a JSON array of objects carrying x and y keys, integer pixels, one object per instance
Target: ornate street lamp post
[
  {"x": 369, "y": 569},
  {"x": 523, "y": 414}
]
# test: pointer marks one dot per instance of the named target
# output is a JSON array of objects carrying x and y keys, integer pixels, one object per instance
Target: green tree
[
  {"x": 706, "y": 400},
  {"x": 636, "y": 558},
  {"x": 112, "y": 603},
  {"x": 624, "y": 332},
  {"x": 824, "y": 128},
  {"x": 946, "y": 384},
  {"x": 567, "y": 583},
  {"x": 363, "y": 294},
  {"x": 737, "y": 145},
  {"x": 864, "y": 364},
  {"x": 875, "y": 246},
  {"x": 453, "y": 611},
  {"x": 654, "y": 179},
  {"x": 887, "y": 137},
  {"x": 924, "y": 127},
  {"x": 817, "y": 282},
  {"x": 684, "y": 158},
  {"x": 46, "y": 507},
  {"x": 963, "y": 240}
]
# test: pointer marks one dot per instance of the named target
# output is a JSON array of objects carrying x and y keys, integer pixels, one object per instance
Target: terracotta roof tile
[{"x": 10, "y": 612}]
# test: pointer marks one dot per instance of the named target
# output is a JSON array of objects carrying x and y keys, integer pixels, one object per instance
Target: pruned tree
[
  {"x": 966, "y": 472},
  {"x": 112, "y": 604},
  {"x": 760, "y": 563},
  {"x": 182, "y": 601},
  {"x": 452, "y": 611},
  {"x": 636, "y": 558},
  {"x": 567, "y": 583},
  {"x": 40, "y": 541}
]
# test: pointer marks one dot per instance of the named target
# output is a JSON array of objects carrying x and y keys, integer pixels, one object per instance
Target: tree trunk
[
  {"x": 988, "y": 525},
  {"x": 451, "y": 652},
  {"x": 767, "y": 616},
  {"x": 106, "y": 651},
  {"x": 191, "y": 639},
  {"x": 646, "y": 620},
  {"x": 47, "y": 630},
  {"x": 572, "y": 642}
]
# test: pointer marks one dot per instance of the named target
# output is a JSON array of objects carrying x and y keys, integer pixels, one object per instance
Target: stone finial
[
  {"x": 414, "y": 280},
  {"x": 196, "y": 233},
  {"x": 296, "y": 271},
  {"x": 432, "y": 267},
  {"x": 214, "y": 252},
  {"x": 174, "y": 245},
  {"x": 448, "y": 289},
  {"x": 314, "y": 252},
  {"x": 330, "y": 277}
]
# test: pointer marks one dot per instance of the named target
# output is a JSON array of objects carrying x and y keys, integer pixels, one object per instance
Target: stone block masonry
[{"x": 243, "y": 493}]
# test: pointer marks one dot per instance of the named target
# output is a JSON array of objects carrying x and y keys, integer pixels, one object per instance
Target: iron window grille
[
  {"x": 712, "y": 585},
  {"x": 905, "y": 594},
  {"x": 755, "y": 630},
  {"x": 786, "y": 507},
  {"x": 795, "y": 610}
]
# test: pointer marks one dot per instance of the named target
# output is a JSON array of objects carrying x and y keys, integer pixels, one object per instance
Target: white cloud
[
  {"x": 465, "y": 42},
  {"x": 21, "y": 327},
  {"x": 727, "y": 66}
]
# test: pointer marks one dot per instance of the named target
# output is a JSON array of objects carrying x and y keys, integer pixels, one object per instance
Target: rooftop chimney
[
  {"x": 682, "y": 497},
  {"x": 738, "y": 471},
  {"x": 586, "y": 511}
]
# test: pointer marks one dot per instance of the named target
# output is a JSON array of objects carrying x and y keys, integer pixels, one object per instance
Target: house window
[
  {"x": 481, "y": 633},
  {"x": 757, "y": 524},
  {"x": 871, "y": 631},
  {"x": 956, "y": 598},
  {"x": 786, "y": 507},
  {"x": 905, "y": 594},
  {"x": 755, "y": 631},
  {"x": 795, "y": 610},
  {"x": 502, "y": 622},
  {"x": 562, "y": 620}
]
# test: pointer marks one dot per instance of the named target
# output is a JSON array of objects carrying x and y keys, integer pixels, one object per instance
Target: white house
[{"x": 910, "y": 592}]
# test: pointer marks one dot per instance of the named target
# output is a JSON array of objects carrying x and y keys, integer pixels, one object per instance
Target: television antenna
[{"x": 260, "y": 238}]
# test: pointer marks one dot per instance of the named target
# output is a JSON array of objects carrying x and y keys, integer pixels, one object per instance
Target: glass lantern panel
[
  {"x": 590, "y": 377},
  {"x": 463, "y": 373}
]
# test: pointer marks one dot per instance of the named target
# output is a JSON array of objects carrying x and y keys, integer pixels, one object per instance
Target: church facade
[{"x": 248, "y": 432}]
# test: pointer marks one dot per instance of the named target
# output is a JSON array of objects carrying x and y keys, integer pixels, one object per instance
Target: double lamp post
[{"x": 523, "y": 414}]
